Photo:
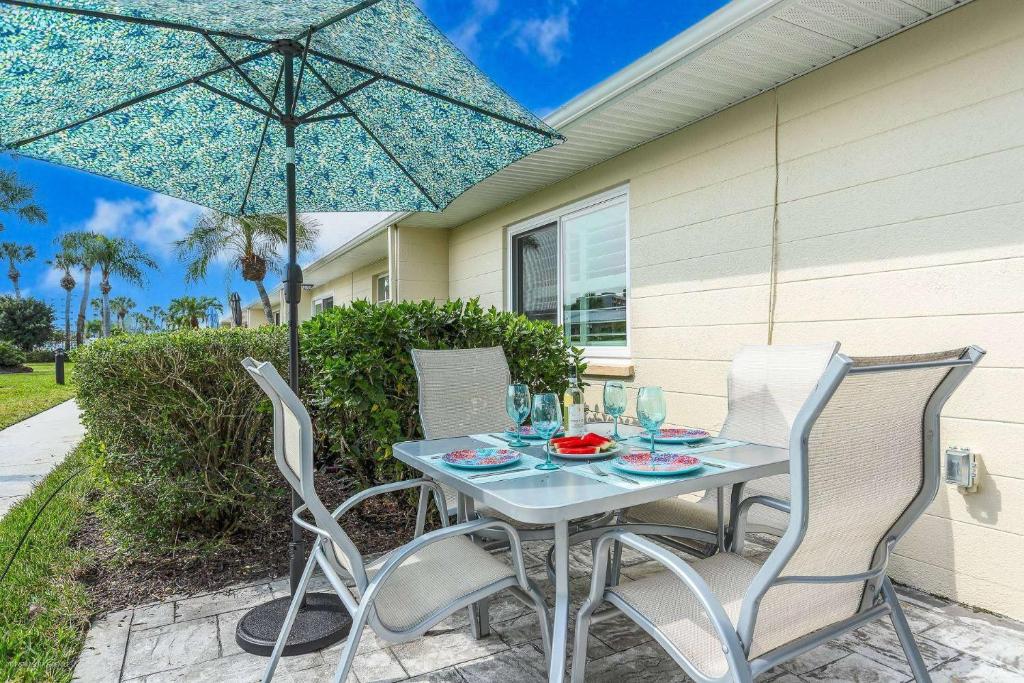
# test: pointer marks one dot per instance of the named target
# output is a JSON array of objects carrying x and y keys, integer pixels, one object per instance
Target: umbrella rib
[
  {"x": 440, "y": 96},
  {"x": 238, "y": 70},
  {"x": 302, "y": 72},
  {"x": 366, "y": 4},
  {"x": 340, "y": 97},
  {"x": 337, "y": 97},
  {"x": 393, "y": 158},
  {"x": 329, "y": 117},
  {"x": 259, "y": 148},
  {"x": 128, "y": 103},
  {"x": 157, "y": 23},
  {"x": 237, "y": 100}
]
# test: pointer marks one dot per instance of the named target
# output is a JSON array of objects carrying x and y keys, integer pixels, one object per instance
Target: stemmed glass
[
  {"x": 547, "y": 419},
  {"x": 650, "y": 410},
  {"x": 615, "y": 403},
  {"x": 517, "y": 405}
]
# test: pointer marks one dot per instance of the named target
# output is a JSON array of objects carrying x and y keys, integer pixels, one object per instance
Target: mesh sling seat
[
  {"x": 864, "y": 465},
  {"x": 404, "y": 593},
  {"x": 767, "y": 386}
]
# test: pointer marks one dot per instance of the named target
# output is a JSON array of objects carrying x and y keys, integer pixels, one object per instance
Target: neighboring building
[{"x": 762, "y": 178}]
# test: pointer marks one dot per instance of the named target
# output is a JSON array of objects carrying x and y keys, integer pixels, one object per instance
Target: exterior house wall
[
  {"x": 421, "y": 270},
  {"x": 900, "y": 228}
]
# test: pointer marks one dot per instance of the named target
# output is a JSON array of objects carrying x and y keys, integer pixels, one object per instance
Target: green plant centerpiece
[{"x": 361, "y": 384}]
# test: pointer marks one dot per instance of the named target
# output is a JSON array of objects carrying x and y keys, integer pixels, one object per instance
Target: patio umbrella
[{"x": 255, "y": 107}]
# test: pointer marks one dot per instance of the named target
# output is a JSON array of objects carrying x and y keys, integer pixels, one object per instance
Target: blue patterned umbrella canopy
[
  {"x": 187, "y": 98},
  {"x": 259, "y": 106}
]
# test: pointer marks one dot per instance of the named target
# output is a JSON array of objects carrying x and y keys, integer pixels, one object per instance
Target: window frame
[
  {"x": 319, "y": 299},
  {"x": 376, "y": 280},
  {"x": 558, "y": 217}
]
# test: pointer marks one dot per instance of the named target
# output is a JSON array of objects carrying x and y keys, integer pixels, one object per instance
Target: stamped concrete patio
[{"x": 191, "y": 638}]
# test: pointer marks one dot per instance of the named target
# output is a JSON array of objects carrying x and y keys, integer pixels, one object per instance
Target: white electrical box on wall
[{"x": 961, "y": 469}]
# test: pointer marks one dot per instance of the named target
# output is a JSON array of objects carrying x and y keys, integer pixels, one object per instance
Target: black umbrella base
[{"x": 320, "y": 623}]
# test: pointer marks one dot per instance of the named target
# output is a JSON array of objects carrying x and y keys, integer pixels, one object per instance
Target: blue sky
[{"x": 543, "y": 52}]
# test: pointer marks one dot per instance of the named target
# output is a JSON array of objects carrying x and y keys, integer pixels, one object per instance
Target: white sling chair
[
  {"x": 404, "y": 593},
  {"x": 767, "y": 386},
  {"x": 864, "y": 465}
]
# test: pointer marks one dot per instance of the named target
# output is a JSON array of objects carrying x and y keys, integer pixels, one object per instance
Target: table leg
[
  {"x": 721, "y": 518},
  {"x": 560, "y": 627}
]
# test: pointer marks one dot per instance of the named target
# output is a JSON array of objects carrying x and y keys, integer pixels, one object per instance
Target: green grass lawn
[
  {"x": 44, "y": 609},
  {"x": 24, "y": 394}
]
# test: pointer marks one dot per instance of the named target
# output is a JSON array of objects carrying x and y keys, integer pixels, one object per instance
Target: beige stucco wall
[
  {"x": 901, "y": 228},
  {"x": 421, "y": 270}
]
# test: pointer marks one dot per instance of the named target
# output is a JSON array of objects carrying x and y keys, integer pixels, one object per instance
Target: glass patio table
[{"x": 574, "y": 492}]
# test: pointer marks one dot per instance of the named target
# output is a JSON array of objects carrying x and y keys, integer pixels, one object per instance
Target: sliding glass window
[{"x": 571, "y": 268}]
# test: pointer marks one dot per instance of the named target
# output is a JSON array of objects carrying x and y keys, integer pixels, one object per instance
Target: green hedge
[
  {"x": 361, "y": 383},
  {"x": 10, "y": 355},
  {"x": 184, "y": 432}
]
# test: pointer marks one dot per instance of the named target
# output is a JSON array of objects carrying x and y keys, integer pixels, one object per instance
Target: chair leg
[
  {"x": 906, "y": 636},
  {"x": 579, "y": 651},
  {"x": 479, "y": 619},
  {"x": 614, "y": 565},
  {"x": 293, "y": 611},
  {"x": 543, "y": 616},
  {"x": 348, "y": 653},
  {"x": 421, "y": 511}
]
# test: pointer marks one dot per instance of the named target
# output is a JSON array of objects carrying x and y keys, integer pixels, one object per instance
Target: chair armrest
[
  {"x": 739, "y": 524},
  {"x": 684, "y": 572},
  {"x": 421, "y": 482},
  {"x": 464, "y": 529}
]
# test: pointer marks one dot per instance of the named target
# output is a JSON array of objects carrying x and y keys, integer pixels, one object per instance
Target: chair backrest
[
  {"x": 462, "y": 391},
  {"x": 768, "y": 385},
  {"x": 864, "y": 465},
  {"x": 293, "y": 451}
]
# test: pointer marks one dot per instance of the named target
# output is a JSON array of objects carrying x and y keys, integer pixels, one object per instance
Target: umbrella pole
[{"x": 322, "y": 619}]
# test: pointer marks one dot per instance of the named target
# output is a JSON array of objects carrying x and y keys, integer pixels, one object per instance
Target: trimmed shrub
[
  {"x": 10, "y": 355},
  {"x": 39, "y": 356},
  {"x": 361, "y": 384},
  {"x": 183, "y": 432}
]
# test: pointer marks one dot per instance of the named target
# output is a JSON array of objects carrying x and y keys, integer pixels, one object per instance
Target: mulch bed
[{"x": 121, "y": 578}]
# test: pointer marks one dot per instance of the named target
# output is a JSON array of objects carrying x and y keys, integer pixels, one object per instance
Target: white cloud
[
  {"x": 546, "y": 37},
  {"x": 156, "y": 222},
  {"x": 466, "y": 35}
]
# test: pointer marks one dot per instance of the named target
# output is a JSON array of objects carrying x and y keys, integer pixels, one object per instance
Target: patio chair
[
  {"x": 405, "y": 592},
  {"x": 864, "y": 466},
  {"x": 767, "y": 386}
]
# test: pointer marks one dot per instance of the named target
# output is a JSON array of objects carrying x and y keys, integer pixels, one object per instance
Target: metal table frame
[{"x": 560, "y": 496}]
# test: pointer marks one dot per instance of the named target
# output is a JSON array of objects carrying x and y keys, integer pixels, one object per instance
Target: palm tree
[
  {"x": 142, "y": 322},
  {"x": 157, "y": 315},
  {"x": 187, "y": 311},
  {"x": 17, "y": 199},
  {"x": 65, "y": 260},
  {"x": 84, "y": 246},
  {"x": 16, "y": 253},
  {"x": 121, "y": 257},
  {"x": 93, "y": 328},
  {"x": 121, "y": 306},
  {"x": 253, "y": 243}
]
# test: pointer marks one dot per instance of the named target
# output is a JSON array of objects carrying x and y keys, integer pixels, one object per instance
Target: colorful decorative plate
[
  {"x": 679, "y": 435},
  {"x": 528, "y": 432},
  {"x": 658, "y": 464},
  {"x": 614, "y": 450},
  {"x": 481, "y": 458}
]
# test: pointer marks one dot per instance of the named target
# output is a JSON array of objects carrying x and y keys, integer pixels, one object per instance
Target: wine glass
[
  {"x": 650, "y": 410},
  {"x": 517, "y": 405},
  {"x": 547, "y": 420},
  {"x": 615, "y": 403}
]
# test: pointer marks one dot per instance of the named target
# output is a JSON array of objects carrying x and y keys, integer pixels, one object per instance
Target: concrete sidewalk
[{"x": 33, "y": 447}]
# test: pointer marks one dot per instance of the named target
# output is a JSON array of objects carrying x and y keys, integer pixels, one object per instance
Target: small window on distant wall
[
  {"x": 381, "y": 288},
  {"x": 277, "y": 318},
  {"x": 571, "y": 268},
  {"x": 323, "y": 304}
]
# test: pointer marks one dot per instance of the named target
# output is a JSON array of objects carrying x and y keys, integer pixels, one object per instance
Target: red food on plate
[{"x": 581, "y": 450}]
